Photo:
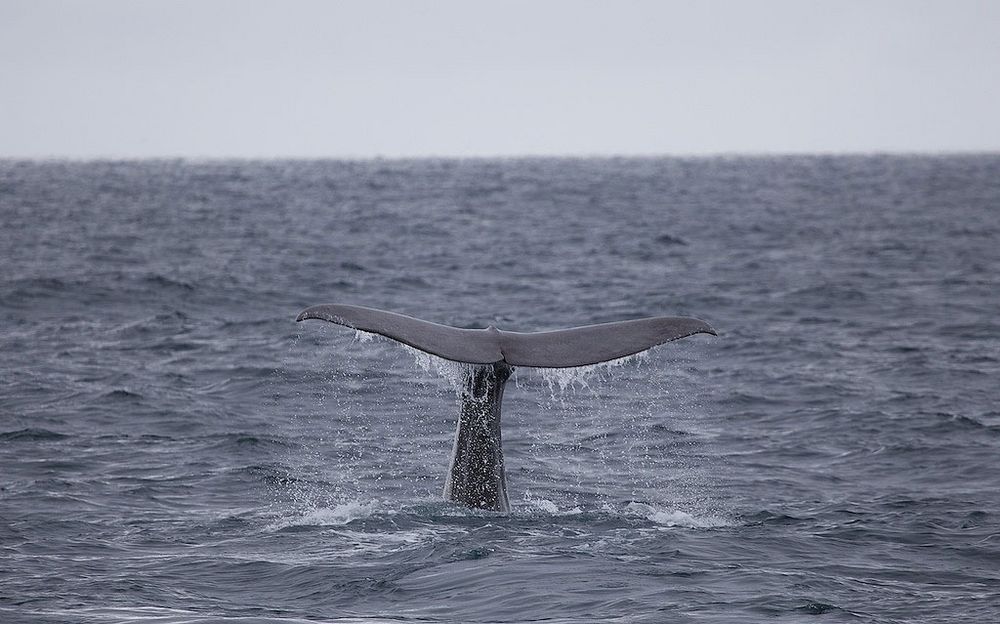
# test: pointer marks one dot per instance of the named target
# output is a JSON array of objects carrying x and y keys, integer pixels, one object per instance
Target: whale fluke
[
  {"x": 563, "y": 348},
  {"x": 476, "y": 476}
]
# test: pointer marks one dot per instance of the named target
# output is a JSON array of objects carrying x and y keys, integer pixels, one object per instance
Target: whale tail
[
  {"x": 563, "y": 348},
  {"x": 476, "y": 474}
]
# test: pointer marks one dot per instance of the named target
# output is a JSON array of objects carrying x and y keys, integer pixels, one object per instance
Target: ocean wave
[
  {"x": 339, "y": 515},
  {"x": 31, "y": 434},
  {"x": 675, "y": 517},
  {"x": 121, "y": 394}
]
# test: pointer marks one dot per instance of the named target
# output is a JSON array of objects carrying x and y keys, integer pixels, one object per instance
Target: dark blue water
[{"x": 174, "y": 448}]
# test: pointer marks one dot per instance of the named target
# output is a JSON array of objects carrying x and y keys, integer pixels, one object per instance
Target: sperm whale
[{"x": 476, "y": 475}]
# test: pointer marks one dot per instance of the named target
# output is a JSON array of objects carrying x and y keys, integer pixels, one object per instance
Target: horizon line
[{"x": 500, "y": 156}]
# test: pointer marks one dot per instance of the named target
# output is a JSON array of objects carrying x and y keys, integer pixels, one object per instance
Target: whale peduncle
[{"x": 476, "y": 474}]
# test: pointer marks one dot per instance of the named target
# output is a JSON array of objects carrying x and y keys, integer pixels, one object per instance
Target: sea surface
[{"x": 174, "y": 448}]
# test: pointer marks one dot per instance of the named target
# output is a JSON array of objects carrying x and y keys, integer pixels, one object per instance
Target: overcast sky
[{"x": 204, "y": 78}]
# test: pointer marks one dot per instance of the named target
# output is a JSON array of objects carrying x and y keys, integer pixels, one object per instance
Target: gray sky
[{"x": 204, "y": 78}]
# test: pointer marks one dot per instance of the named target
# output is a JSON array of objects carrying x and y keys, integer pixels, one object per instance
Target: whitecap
[
  {"x": 338, "y": 515},
  {"x": 549, "y": 507},
  {"x": 674, "y": 517}
]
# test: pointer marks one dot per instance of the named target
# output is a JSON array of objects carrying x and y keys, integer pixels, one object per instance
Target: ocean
[{"x": 175, "y": 448}]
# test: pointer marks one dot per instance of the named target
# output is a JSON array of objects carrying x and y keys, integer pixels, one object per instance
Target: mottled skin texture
[{"x": 476, "y": 475}]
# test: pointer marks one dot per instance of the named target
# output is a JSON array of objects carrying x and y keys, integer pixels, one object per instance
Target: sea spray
[
  {"x": 580, "y": 376},
  {"x": 566, "y": 433}
]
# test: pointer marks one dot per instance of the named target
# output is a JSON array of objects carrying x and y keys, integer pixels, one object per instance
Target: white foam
[
  {"x": 546, "y": 506},
  {"x": 683, "y": 519},
  {"x": 338, "y": 515},
  {"x": 674, "y": 517}
]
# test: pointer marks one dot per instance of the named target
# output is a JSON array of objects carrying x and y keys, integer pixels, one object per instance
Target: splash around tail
[{"x": 476, "y": 475}]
